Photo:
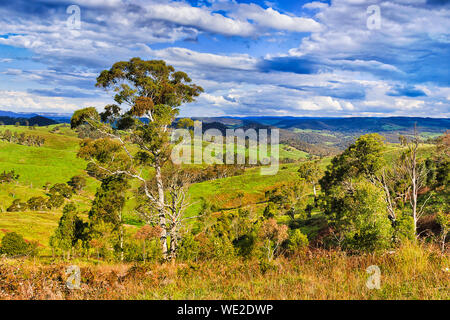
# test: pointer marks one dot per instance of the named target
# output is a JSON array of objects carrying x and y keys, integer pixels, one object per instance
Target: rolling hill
[{"x": 56, "y": 162}]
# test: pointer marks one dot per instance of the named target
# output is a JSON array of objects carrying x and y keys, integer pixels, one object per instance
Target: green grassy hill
[{"x": 56, "y": 162}]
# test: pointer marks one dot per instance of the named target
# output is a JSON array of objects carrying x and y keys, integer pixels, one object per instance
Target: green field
[{"x": 56, "y": 162}]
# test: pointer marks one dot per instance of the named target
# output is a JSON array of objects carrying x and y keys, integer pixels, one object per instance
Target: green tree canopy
[
  {"x": 185, "y": 123},
  {"x": 311, "y": 172},
  {"x": 364, "y": 157},
  {"x": 81, "y": 116},
  {"x": 13, "y": 244},
  {"x": 361, "y": 221},
  {"x": 71, "y": 228}
]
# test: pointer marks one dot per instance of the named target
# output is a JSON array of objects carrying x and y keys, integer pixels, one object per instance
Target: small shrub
[
  {"x": 404, "y": 228},
  {"x": 62, "y": 189},
  {"x": 189, "y": 249},
  {"x": 55, "y": 201},
  {"x": 13, "y": 244},
  {"x": 8, "y": 177},
  {"x": 270, "y": 211},
  {"x": 246, "y": 245},
  {"x": 37, "y": 204},
  {"x": 132, "y": 251},
  {"x": 265, "y": 266},
  {"x": 16, "y": 206},
  {"x": 216, "y": 247},
  {"x": 77, "y": 183},
  {"x": 297, "y": 241},
  {"x": 33, "y": 248}
]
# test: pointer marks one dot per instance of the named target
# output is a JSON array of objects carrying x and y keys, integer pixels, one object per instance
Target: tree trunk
[
  {"x": 444, "y": 236},
  {"x": 173, "y": 243},
  {"x": 161, "y": 211},
  {"x": 414, "y": 186},
  {"x": 121, "y": 243},
  {"x": 121, "y": 238},
  {"x": 314, "y": 189}
]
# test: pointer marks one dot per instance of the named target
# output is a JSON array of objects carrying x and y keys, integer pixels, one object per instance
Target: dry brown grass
[{"x": 411, "y": 272}]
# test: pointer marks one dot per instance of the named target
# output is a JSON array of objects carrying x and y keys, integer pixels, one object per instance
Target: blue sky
[{"x": 254, "y": 58}]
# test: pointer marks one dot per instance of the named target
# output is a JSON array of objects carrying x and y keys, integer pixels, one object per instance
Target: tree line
[
  {"x": 56, "y": 195},
  {"x": 22, "y": 138}
]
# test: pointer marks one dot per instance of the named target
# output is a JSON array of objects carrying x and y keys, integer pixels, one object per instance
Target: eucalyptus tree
[
  {"x": 311, "y": 172},
  {"x": 107, "y": 207},
  {"x": 147, "y": 97}
]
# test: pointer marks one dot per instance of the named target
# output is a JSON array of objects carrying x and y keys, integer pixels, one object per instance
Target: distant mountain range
[
  {"x": 353, "y": 124},
  {"x": 315, "y": 135},
  {"x": 16, "y": 114},
  {"x": 350, "y": 124},
  {"x": 327, "y": 136},
  {"x": 58, "y": 117},
  {"x": 36, "y": 120}
]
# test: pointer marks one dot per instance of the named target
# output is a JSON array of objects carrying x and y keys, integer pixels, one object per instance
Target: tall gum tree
[{"x": 148, "y": 95}]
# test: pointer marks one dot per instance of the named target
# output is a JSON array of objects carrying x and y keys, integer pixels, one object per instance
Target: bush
[
  {"x": 297, "y": 241},
  {"x": 215, "y": 247},
  {"x": 13, "y": 244},
  {"x": 362, "y": 221},
  {"x": 270, "y": 211},
  {"x": 33, "y": 248},
  {"x": 62, "y": 189},
  {"x": 8, "y": 177},
  {"x": 55, "y": 201},
  {"x": 16, "y": 206},
  {"x": 37, "y": 204},
  {"x": 246, "y": 245},
  {"x": 132, "y": 250},
  {"x": 404, "y": 228},
  {"x": 222, "y": 248},
  {"x": 267, "y": 266},
  {"x": 77, "y": 183},
  {"x": 189, "y": 249},
  {"x": 154, "y": 250}
]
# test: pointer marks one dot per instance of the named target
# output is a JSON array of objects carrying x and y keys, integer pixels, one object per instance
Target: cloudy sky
[{"x": 264, "y": 58}]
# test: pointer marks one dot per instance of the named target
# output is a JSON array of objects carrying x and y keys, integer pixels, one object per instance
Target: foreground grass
[{"x": 411, "y": 272}]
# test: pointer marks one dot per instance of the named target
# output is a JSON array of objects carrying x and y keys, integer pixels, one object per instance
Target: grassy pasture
[{"x": 56, "y": 162}]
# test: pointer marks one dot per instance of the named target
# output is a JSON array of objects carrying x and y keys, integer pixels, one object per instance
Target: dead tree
[{"x": 416, "y": 173}]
